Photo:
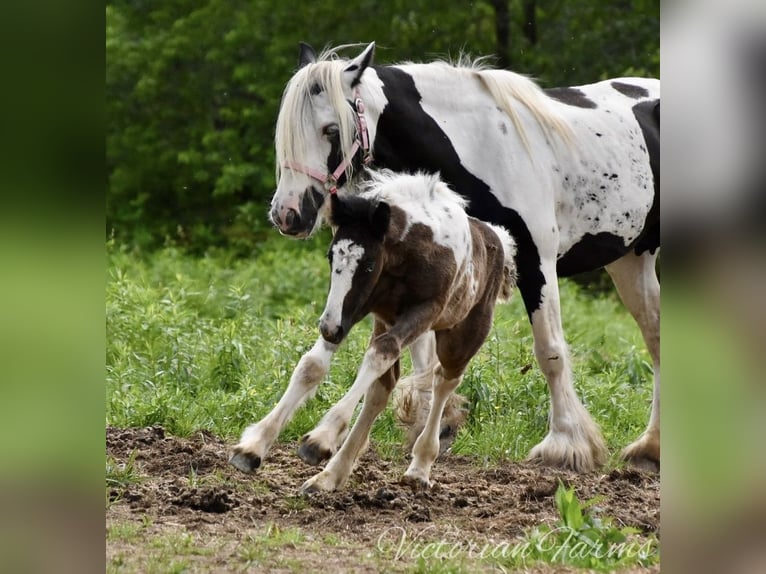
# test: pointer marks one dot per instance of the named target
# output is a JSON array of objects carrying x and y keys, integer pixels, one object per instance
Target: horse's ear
[
  {"x": 335, "y": 208},
  {"x": 380, "y": 219},
  {"x": 356, "y": 67},
  {"x": 307, "y": 55}
]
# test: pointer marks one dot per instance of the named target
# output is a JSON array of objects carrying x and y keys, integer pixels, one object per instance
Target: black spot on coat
[
  {"x": 571, "y": 97},
  {"x": 635, "y": 92}
]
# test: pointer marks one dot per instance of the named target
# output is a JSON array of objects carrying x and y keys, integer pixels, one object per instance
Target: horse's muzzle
[{"x": 290, "y": 223}]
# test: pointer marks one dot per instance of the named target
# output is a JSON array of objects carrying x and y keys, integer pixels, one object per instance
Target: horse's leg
[
  {"x": 325, "y": 439},
  {"x": 426, "y": 449},
  {"x": 455, "y": 348},
  {"x": 339, "y": 468},
  {"x": 384, "y": 350},
  {"x": 412, "y": 396},
  {"x": 573, "y": 440},
  {"x": 635, "y": 277},
  {"x": 256, "y": 440}
]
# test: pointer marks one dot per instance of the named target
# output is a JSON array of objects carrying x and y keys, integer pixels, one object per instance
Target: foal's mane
[
  {"x": 409, "y": 191},
  {"x": 506, "y": 87}
]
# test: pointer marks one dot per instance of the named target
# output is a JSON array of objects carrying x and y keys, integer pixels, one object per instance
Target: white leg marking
[
  {"x": 574, "y": 440},
  {"x": 256, "y": 440},
  {"x": 426, "y": 448},
  {"x": 339, "y": 468},
  {"x": 331, "y": 430}
]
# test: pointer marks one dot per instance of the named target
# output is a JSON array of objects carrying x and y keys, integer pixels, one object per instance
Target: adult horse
[{"x": 572, "y": 173}]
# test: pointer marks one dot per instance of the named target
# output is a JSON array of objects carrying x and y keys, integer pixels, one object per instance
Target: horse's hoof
[
  {"x": 312, "y": 453},
  {"x": 416, "y": 483},
  {"x": 318, "y": 483},
  {"x": 244, "y": 461},
  {"x": 644, "y": 454},
  {"x": 643, "y": 463}
]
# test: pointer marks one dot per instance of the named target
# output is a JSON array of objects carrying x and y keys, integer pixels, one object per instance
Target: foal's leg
[
  {"x": 412, "y": 396},
  {"x": 636, "y": 280},
  {"x": 426, "y": 449},
  {"x": 383, "y": 353},
  {"x": 455, "y": 348},
  {"x": 339, "y": 468},
  {"x": 258, "y": 438},
  {"x": 322, "y": 442},
  {"x": 574, "y": 440}
]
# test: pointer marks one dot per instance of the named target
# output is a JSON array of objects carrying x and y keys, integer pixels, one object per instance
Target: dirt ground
[{"x": 184, "y": 487}]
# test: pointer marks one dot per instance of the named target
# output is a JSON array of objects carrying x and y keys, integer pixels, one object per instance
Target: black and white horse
[{"x": 572, "y": 173}]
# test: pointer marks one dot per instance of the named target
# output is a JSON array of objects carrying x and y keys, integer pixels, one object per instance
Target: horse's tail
[{"x": 509, "y": 264}]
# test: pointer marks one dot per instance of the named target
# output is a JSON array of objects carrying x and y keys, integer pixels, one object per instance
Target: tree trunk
[
  {"x": 502, "y": 33},
  {"x": 530, "y": 21}
]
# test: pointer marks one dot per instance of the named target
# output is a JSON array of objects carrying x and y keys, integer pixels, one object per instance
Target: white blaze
[{"x": 345, "y": 259}]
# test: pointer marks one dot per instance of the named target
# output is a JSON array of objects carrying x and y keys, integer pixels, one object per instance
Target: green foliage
[
  {"x": 193, "y": 89},
  {"x": 583, "y": 539},
  {"x": 211, "y": 343}
]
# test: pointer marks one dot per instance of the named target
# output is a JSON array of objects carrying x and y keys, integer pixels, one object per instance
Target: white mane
[
  {"x": 507, "y": 88},
  {"x": 295, "y": 111}
]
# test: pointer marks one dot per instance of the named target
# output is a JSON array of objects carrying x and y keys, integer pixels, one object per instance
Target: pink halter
[{"x": 330, "y": 180}]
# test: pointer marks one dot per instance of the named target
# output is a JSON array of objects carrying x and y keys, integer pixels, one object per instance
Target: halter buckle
[{"x": 331, "y": 185}]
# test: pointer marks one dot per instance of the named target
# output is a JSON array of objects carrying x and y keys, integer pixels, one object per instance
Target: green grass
[{"x": 211, "y": 342}]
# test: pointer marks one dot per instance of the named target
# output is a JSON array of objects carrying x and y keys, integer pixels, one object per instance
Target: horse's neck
[{"x": 415, "y": 106}]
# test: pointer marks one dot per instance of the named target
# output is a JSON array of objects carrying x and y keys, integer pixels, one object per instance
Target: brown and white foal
[{"x": 405, "y": 251}]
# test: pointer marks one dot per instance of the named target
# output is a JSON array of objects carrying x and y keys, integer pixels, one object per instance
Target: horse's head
[
  {"x": 321, "y": 136},
  {"x": 356, "y": 258}
]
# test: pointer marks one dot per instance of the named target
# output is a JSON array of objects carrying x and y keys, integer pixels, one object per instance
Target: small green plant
[
  {"x": 582, "y": 539},
  {"x": 119, "y": 476}
]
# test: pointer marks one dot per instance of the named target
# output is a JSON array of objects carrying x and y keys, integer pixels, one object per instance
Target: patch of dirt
[{"x": 188, "y": 483}]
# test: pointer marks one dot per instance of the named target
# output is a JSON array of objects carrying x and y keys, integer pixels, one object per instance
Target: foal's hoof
[
  {"x": 322, "y": 482},
  {"x": 311, "y": 453},
  {"x": 415, "y": 482},
  {"x": 245, "y": 461}
]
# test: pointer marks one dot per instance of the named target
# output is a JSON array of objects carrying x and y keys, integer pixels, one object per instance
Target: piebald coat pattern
[
  {"x": 405, "y": 251},
  {"x": 572, "y": 173}
]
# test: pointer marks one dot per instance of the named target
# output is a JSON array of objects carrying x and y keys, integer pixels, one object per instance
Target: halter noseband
[{"x": 361, "y": 141}]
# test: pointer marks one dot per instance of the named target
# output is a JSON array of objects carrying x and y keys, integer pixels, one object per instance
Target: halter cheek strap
[{"x": 361, "y": 141}]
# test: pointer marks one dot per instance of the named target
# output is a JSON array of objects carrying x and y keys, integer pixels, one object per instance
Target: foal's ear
[
  {"x": 356, "y": 67},
  {"x": 307, "y": 55},
  {"x": 380, "y": 219}
]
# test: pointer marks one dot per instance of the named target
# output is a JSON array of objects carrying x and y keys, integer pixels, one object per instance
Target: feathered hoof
[
  {"x": 560, "y": 450},
  {"x": 416, "y": 482}
]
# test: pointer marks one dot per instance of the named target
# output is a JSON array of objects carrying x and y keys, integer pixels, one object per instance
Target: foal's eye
[{"x": 330, "y": 130}]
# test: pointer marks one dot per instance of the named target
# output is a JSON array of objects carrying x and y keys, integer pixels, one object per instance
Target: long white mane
[
  {"x": 508, "y": 89},
  {"x": 295, "y": 111}
]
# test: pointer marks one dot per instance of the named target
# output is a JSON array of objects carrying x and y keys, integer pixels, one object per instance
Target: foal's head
[{"x": 356, "y": 258}]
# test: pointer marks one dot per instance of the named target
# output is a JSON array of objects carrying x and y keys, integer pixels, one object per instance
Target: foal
[{"x": 405, "y": 251}]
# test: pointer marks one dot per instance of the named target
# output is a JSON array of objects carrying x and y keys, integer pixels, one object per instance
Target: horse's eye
[{"x": 330, "y": 130}]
